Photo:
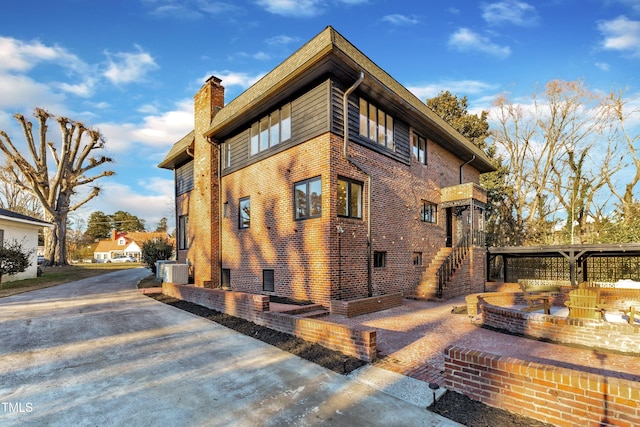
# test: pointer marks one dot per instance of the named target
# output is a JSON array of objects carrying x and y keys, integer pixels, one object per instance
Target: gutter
[{"x": 345, "y": 114}]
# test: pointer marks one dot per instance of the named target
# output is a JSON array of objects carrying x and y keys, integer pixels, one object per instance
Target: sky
[{"x": 130, "y": 68}]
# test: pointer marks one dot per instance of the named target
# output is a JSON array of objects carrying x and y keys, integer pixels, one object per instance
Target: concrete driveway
[{"x": 97, "y": 352}]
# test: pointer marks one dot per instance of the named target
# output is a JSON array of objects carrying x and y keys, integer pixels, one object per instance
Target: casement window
[
  {"x": 376, "y": 125},
  {"x": 244, "y": 213},
  {"x": 428, "y": 212},
  {"x": 379, "y": 259},
  {"x": 349, "y": 198},
  {"x": 268, "y": 284},
  {"x": 417, "y": 259},
  {"x": 308, "y": 198},
  {"x": 183, "y": 232},
  {"x": 271, "y": 130},
  {"x": 419, "y": 146}
]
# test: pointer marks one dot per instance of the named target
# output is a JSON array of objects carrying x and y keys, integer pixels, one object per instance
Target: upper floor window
[
  {"x": 376, "y": 125},
  {"x": 226, "y": 155},
  {"x": 419, "y": 146},
  {"x": 428, "y": 212},
  {"x": 244, "y": 215},
  {"x": 349, "y": 198},
  {"x": 271, "y": 130},
  {"x": 308, "y": 198}
]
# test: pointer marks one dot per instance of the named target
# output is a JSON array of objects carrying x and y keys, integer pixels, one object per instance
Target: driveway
[{"x": 97, "y": 352}]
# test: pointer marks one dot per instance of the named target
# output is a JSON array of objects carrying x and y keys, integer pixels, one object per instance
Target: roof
[
  {"x": 329, "y": 51},
  {"x": 14, "y": 216},
  {"x": 178, "y": 153},
  {"x": 138, "y": 237}
]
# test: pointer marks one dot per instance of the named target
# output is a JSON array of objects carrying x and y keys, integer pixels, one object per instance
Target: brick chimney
[{"x": 203, "y": 207}]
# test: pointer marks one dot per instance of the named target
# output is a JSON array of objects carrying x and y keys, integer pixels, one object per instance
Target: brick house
[{"x": 272, "y": 198}]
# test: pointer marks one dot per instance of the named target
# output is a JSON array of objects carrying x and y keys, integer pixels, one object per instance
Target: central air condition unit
[
  {"x": 160, "y": 265},
  {"x": 178, "y": 274}
]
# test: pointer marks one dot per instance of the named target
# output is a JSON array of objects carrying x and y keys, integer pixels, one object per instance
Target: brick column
[{"x": 204, "y": 206}]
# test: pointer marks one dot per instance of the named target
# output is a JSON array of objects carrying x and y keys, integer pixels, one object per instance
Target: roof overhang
[{"x": 179, "y": 153}]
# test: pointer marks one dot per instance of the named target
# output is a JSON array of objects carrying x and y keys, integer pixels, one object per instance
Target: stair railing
[{"x": 452, "y": 263}]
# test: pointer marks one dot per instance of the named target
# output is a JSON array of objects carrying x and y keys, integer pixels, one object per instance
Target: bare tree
[
  {"x": 14, "y": 198},
  {"x": 55, "y": 188}
]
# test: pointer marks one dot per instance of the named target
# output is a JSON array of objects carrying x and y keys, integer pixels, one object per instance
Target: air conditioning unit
[
  {"x": 177, "y": 274},
  {"x": 160, "y": 264}
]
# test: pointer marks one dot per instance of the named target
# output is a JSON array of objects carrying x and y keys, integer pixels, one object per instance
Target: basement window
[
  {"x": 267, "y": 281},
  {"x": 379, "y": 259}
]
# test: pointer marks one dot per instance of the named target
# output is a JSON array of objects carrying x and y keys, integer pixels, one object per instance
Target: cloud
[
  {"x": 126, "y": 67},
  {"x": 189, "y": 9},
  {"x": 17, "y": 55},
  {"x": 510, "y": 12},
  {"x": 281, "y": 40},
  {"x": 621, "y": 34},
  {"x": 302, "y": 8},
  {"x": 397, "y": 19},
  {"x": 20, "y": 93},
  {"x": 603, "y": 66},
  {"x": 461, "y": 87},
  {"x": 230, "y": 78},
  {"x": 466, "y": 40}
]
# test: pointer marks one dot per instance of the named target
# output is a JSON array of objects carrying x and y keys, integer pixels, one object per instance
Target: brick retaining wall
[
  {"x": 351, "y": 341},
  {"x": 560, "y": 396},
  {"x": 356, "y": 307}
]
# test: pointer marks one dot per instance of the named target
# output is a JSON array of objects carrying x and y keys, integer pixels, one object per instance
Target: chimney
[{"x": 215, "y": 92}]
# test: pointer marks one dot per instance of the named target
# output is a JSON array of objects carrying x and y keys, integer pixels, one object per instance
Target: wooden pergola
[{"x": 577, "y": 255}]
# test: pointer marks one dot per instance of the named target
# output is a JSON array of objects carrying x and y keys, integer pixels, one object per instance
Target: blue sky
[{"x": 130, "y": 68}]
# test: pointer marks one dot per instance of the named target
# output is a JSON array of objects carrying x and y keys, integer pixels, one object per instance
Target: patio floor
[{"x": 411, "y": 340}]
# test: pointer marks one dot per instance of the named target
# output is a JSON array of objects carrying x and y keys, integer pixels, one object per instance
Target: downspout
[
  {"x": 464, "y": 164},
  {"x": 345, "y": 109}
]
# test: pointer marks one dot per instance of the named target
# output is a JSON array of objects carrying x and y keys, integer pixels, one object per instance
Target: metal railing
[{"x": 455, "y": 259}]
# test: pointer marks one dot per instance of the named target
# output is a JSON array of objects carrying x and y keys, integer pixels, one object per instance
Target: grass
[{"x": 52, "y": 276}]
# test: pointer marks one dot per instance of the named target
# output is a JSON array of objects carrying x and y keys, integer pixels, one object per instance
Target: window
[
  {"x": 308, "y": 198},
  {"x": 271, "y": 130},
  {"x": 428, "y": 212},
  {"x": 226, "y": 155},
  {"x": 267, "y": 281},
  {"x": 417, "y": 259},
  {"x": 225, "y": 210},
  {"x": 183, "y": 232},
  {"x": 244, "y": 214},
  {"x": 184, "y": 178},
  {"x": 349, "y": 198},
  {"x": 376, "y": 125},
  {"x": 379, "y": 259},
  {"x": 419, "y": 145}
]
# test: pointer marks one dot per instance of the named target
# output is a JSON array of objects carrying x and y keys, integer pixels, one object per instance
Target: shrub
[
  {"x": 155, "y": 250},
  {"x": 13, "y": 259}
]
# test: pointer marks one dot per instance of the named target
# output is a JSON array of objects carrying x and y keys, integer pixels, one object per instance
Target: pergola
[{"x": 577, "y": 255}]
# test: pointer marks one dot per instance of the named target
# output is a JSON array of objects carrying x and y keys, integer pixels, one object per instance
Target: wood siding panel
[{"x": 309, "y": 118}]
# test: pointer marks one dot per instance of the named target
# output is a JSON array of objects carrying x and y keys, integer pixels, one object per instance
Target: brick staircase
[
  {"x": 428, "y": 287},
  {"x": 308, "y": 311}
]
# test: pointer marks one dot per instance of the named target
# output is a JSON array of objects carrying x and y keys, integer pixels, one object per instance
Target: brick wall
[
  {"x": 351, "y": 341},
  {"x": 560, "y": 396},
  {"x": 356, "y": 307}
]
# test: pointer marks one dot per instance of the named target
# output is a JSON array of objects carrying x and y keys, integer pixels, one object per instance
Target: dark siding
[
  {"x": 309, "y": 118},
  {"x": 184, "y": 178},
  {"x": 401, "y": 129}
]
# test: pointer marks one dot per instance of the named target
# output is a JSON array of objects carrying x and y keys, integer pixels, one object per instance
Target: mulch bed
[{"x": 451, "y": 405}]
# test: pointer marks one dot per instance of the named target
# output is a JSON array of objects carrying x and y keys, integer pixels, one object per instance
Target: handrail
[{"x": 456, "y": 257}]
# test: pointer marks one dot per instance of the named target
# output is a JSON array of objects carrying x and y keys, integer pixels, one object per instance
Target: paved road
[{"x": 96, "y": 352}]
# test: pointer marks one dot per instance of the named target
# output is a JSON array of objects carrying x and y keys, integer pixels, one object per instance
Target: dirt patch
[{"x": 452, "y": 405}]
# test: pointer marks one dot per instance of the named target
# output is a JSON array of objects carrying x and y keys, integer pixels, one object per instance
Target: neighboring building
[
  {"x": 272, "y": 198},
  {"x": 125, "y": 243},
  {"x": 24, "y": 230}
]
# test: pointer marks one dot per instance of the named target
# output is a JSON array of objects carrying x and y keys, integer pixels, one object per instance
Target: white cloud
[
  {"x": 230, "y": 78},
  {"x": 621, "y": 34},
  {"x": 128, "y": 67},
  {"x": 510, "y": 12},
  {"x": 17, "y": 55},
  {"x": 603, "y": 66},
  {"x": 189, "y": 9},
  {"x": 456, "y": 87},
  {"x": 21, "y": 94},
  {"x": 281, "y": 40},
  {"x": 466, "y": 40},
  {"x": 302, "y": 8},
  {"x": 158, "y": 130},
  {"x": 397, "y": 19}
]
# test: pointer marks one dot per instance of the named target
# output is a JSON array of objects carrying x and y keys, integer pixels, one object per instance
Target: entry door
[{"x": 449, "y": 225}]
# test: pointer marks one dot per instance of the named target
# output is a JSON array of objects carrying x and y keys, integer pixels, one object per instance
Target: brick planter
[{"x": 356, "y": 307}]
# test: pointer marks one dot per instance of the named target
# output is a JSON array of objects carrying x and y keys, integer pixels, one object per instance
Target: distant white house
[
  {"x": 125, "y": 243},
  {"x": 23, "y": 229}
]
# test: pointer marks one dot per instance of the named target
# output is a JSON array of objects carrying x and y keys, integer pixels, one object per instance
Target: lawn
[{"x": 52, "y": 276}]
